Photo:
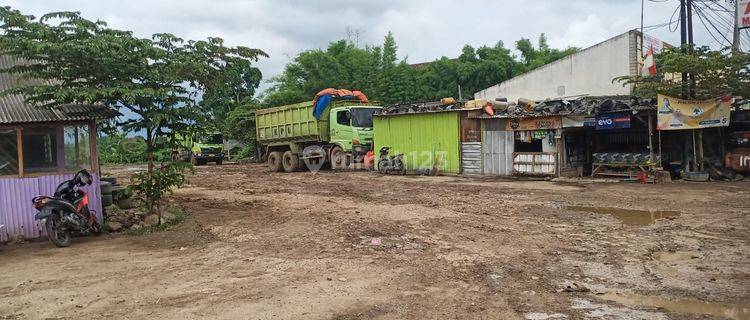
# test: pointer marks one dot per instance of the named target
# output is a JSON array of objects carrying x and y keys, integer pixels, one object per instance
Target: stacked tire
[
  {"x": 106, "y": 187},
  {"x": 116, "y": 194}
]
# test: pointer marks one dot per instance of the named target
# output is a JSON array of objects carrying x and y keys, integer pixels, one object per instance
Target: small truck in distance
[
  {"x": 200, "y": 149},
  {"x": 291, "y": 137}
]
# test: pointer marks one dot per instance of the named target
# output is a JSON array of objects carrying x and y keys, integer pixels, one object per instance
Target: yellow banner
[{"x": 678, "y": 114}]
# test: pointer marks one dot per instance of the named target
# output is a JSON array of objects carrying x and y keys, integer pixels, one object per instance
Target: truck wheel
[
  {"x": 274, "y": 161},
  {"x": 339, "y": 159},
  {"x": 219, "y": 162},
  {"x": 291, "y": 162}
]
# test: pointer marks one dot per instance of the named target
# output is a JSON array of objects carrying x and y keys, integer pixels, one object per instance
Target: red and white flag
[{"x": 649, "y": 65}]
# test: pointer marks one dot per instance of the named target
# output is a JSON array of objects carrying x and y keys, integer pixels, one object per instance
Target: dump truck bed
[{"x": 290, "y": 123}]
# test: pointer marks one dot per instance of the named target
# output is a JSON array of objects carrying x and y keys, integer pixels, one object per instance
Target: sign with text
[
  {"x": 650, "y": 42},
  {"x": 743, "y": 14},
  {"x": 539, "y": 123},
  {"x": 678, "y": 114},
  {"x": 609, "y": 121}
]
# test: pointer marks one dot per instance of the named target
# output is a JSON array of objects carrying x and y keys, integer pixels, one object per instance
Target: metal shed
[
  {"x": 39, "y": 149},
  {"x": 427, "y": 140}
]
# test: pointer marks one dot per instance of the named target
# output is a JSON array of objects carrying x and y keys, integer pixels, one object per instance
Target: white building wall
[{"x": 588, "y": 72}]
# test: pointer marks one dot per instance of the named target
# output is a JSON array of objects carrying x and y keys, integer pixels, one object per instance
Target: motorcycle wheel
[
  {"x": 96, "y": 228},
  {"x": 383, "y": 166},
  {"x": 55, "y": 234}
]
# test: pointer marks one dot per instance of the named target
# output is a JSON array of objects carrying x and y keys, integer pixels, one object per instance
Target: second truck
[
  {"x": 200, "y": 149},
  {"x": 291, "y": 138}
]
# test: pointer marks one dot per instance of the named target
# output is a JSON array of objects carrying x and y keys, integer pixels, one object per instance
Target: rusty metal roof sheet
[{"x": 13, "y": 108}]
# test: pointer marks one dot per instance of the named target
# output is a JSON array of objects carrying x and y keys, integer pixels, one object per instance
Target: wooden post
[
  {"x": 60, "y": 147},
  {"x": 661, "y": 156},
  {"x": 651, "y": 139},
  {"x": 94, "y": 148},
  {"x": 19, "y": 147},
  {"x": 560, "y": 150},
  {"x": 695, "y": 152},
  {"x": 700, "y": 150},
  {"x": 77, "y": 146}
]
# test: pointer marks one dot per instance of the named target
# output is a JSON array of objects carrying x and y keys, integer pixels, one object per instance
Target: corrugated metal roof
[
  {"x": 429, "y": 112},
  {"x": 13, "y": 108}
]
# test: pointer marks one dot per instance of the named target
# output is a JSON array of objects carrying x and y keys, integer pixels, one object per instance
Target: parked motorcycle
[
  {"x": 67, "y": 212},
  {"x": 391, "y": 164}
]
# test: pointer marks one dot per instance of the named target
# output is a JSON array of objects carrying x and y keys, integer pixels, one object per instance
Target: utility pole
[
  {"x": 687, "y": 145},
  {"x": 736, "y": 39},
  {"x": 683, "y": 42},
  {"x": 689, "y": 11},
  {"x": 643, "y": 7}
]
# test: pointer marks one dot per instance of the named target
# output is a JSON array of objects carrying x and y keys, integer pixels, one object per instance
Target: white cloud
[{"x": 424, "y": 30}]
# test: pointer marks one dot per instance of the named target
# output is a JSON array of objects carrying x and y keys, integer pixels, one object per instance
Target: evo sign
[
  {"x": 743, "y": 14},
  {"x": 609, "y": 121}
]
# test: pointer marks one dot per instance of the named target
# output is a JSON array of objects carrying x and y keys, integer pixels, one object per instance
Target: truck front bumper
[{"x": 210, "y": 157}]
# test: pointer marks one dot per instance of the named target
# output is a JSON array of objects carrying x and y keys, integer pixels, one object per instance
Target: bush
[
  {"x": 117, "y": 148},
  {"x": 247, "y": 153},
  {"x": 153, "y": 187}
]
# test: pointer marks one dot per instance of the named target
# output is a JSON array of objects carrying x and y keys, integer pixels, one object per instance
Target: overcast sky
[{"x": 424, "y": 30}]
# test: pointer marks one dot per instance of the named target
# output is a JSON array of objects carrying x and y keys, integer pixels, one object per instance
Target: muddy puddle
[
  {"x": 694, "y": 307},
  {"x": 629, "y": 217},
  {"x": 666, "y": 262}
]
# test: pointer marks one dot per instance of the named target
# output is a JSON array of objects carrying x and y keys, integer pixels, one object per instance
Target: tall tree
[
  {"x": 379, "y": 73},
  {"x": 390, "y": 51},
  {"x": 227, "y": 77},
  {"x": 159, "y": 80}
]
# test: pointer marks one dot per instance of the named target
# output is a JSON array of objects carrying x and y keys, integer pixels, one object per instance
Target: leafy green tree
[
  {"x": 390, "y": 50},
  {"x": 533, "y": 58},
  {"x": 716, "y": 72},
  {"x": 241, "y": 121},
  {"x": 378, "y": 72},
  {"x": 83, "y": 61},
  {"x": 226, "y": 77}
]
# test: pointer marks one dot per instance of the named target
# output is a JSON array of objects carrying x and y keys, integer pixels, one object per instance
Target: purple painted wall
[{"x": 17, "y": 212}]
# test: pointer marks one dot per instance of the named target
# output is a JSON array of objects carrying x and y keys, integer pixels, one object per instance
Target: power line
[
  {"x": 716, "y": 16},
  {"x": 704, "y": 20}
]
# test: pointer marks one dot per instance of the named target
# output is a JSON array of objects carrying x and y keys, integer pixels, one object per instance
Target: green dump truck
[
  {"x": 200, "y": 149},
  {"x": 291, "y": 138}
]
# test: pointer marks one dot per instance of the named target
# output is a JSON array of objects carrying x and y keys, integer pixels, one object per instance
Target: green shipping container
[{"x": 427, "y": 140}]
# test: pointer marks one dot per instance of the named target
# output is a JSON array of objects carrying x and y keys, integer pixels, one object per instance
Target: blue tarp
[{"x": 321, "y": 105}]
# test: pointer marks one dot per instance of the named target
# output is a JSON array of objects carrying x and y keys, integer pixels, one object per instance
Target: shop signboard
[
  {"x": 650, "y": 42},
  {"x": 537, "y": 123},
  {"x": 610, "y": 121},
  {"x": 743, "y": 14},
  {"x": 678, "y": 114},
  {"x": 578, "y": 121}
]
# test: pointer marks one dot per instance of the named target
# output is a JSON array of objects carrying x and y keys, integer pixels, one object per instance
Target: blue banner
[{"x": 609, "y": 121}]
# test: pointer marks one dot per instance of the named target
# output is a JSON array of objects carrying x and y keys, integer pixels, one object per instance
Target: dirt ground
[{"x": 357, "y": 245}]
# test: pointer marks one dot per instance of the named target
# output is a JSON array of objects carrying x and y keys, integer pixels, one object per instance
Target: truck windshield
[
  {"x": 213, "y": 139},
  {"x": 362, "y": 117}
]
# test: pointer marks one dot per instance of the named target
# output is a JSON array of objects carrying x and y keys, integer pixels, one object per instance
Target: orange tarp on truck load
[{"x": 327, "y": 94}]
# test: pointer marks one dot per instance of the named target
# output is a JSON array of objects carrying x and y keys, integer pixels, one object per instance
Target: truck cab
[
  {"x": 201, "y": 149},
  {"x": 351, "y": 128}
]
